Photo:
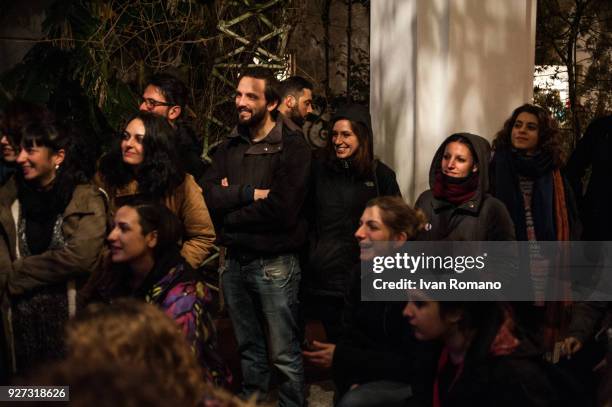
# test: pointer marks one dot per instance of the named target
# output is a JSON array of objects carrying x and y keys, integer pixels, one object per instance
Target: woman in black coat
[
  {"x": 343, "y": 181},
  {"x": 484, "y": 360},
  {"x": 371, "y": 362}
]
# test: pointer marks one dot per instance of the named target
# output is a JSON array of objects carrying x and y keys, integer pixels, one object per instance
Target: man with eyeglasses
[{"x": 166, "y": 96}]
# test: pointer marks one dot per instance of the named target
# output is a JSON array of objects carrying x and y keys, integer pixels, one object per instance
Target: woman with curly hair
[
  {"x": 144, "y": 166},
  {"x": 53, "y": 224},
  {"x": 145, "y": 262},
  {"x": 526, "y": 177},
  {"x": 139, "y": 337}
]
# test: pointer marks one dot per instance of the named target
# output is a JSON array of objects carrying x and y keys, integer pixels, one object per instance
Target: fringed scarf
[{"x": 550, "y": 217}]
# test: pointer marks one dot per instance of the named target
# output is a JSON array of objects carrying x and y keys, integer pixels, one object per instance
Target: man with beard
[
  {"x": 255, "y": 190},
  {"x": 166, "y": 96},
  {"x": 295, "y": 100}
]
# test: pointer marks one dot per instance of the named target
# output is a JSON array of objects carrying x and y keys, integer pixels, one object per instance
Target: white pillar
[{"x": 445, "y": 66}]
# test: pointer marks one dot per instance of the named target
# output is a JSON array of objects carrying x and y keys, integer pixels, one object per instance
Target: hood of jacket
[
  {"x": 482, "y": 148},
  {"x": 359, "y": 114}
]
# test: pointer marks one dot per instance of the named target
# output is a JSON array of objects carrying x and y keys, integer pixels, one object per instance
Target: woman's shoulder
[
  {"x": 425, "y": 199},
  {"x": 383, "y": 169},
  {"x": 184, "y": 288},
  {"x": 87, "y": 198}
]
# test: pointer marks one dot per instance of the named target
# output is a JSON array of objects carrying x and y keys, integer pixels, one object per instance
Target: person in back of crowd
[
  {"x": 372, "y": 360},
  {"x": 145, "y": 263},
  {"x": 14, "y": 116},
  {"x": 458, "y": 206},
  {"x": 593, "y": 150},
  {"x": 342, "y": 182},
  {"x": 143, "y": 165},
  {"x": 256, "y": 188},
  {"x": 295, "y": 101},
  {"x": 53, "y": 223},
  {"x": 526, "y": 177},
  {"x": 484, "y": 360},
  {"x": 166, "y": 96}
]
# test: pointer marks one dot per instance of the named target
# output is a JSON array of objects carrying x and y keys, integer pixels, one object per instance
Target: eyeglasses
[{"x": 152, "y": 103}]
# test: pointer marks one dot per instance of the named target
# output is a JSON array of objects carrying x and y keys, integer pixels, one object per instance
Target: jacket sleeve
[
  {"x": 283, "y": 205},
  {"x": 84, "y": 230},
  {"x": 499, "y": 223},
  {"x": 199, "y": 230},
  {"x": 219, "y": 198},
  {"x": 387, "y": 182}
]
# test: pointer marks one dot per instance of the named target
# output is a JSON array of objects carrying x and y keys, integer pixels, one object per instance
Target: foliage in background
[
  {"x": 577, "y": 34},
  {"x": 96, "y": 55}
]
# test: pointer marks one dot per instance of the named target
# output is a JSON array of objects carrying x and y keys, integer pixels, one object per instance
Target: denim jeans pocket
[{"x": 278, "y": 270}]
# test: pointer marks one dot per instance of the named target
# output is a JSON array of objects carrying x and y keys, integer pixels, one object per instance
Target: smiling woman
[
  {"x": 371, "y": 361},
  {"x": 143, "y": 165},
  {"x": 343, "y": 181},
  {"x": 54, "y": 225},
  {"x": 145, "y": 263}
]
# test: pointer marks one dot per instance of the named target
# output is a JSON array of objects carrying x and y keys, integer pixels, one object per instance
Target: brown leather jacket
[
  {"x": 84, "y": 229},
  {"x": 188, "y": 204}
]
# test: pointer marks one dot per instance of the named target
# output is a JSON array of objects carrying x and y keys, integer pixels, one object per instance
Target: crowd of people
[{"x": 100, "y": 257}]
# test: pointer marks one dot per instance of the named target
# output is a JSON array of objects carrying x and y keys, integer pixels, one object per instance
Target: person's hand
[
  {"x": 570, "y": 346},
  {"x": 260, "y": 194},
  {"x": 321, "y": 355},
  {"x": 224, "y": 182}
]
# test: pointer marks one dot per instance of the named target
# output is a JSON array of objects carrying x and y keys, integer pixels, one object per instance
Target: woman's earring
[{"x": 57, "y": 166}]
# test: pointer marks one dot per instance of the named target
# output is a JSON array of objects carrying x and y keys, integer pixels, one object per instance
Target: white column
[{"x": 445, "y": 66}]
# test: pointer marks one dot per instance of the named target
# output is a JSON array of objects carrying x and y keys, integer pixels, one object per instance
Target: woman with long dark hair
[
  {"x": 484, "y": 360},
  {"x": 144, "y": 165},
  {"x": 54, "y": 223},
  {"x": 343, "y": 181},
  {"x": 145, "y": 262}
]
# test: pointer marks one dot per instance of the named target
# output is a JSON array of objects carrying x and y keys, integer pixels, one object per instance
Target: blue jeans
[{"x": 262, "y": 297}]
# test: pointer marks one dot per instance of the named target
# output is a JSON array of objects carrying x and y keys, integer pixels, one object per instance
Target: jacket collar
[
  {"x": 272, "y": 143},
  {"x": 131, "y": 188},
  {"x": 472, "y": 205}
]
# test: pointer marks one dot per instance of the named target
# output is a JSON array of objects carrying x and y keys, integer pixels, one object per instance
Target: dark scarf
[
  {"x": 506, "y": 167},
  {"x": 532, "y": 166},
  {"x": 455, "y": 190},
  {"x": 40, "y": 208}
]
